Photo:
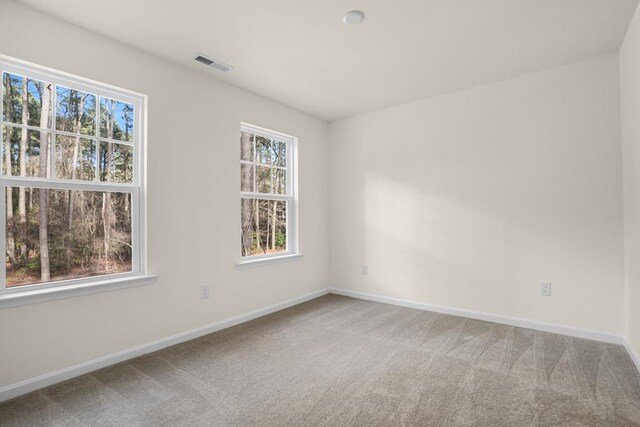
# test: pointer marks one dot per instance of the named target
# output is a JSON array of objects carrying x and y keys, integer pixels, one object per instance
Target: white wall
[
  {"x": 471, "y": 199},
  {"x": 630, "y": 111},
  {"x": 194, "y": 210}
]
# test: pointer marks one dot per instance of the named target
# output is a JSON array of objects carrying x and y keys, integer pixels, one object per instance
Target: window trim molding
[
  {"x": 259, "y": 260},
  {"x": 293, "y": 243},
  {"x": 57, "y": 289},
  {"x": 34, "y": 294}
]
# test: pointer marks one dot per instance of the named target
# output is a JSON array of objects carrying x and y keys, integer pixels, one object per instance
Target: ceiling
[{"x": 299, "y": 52}]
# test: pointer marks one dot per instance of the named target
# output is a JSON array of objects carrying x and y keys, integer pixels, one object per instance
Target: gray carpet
[{"x": 338, "y": 361}]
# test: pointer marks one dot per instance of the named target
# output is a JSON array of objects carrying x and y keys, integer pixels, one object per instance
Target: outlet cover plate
[
  {"x": 204, "y": 291},
  {"x": 545, "y": 289}
]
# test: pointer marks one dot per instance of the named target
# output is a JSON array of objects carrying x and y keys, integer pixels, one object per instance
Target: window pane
[
  {"x": 116, "y": 162},
  {"x": 246, "y": 177},
  {"x": 279, "y": 181},
  {"x": 263, "y": 150},
  {"x": 75, "y": 158},
  {"x": 12, "y": 98},
  {"x": 264, "y": 226},
  {"x": 75, "y": 111},
  {"x": 10, "y": 138},
  {"x": 263, "y": 179},
  {"x": 87, "y": 233},
  {"x": 116, "y": 120},
  {"x": 279, "y": 149},
  {"x": 21, "y": 151},
  {"x": 246, "y": 146},
  {"x": 24, "y": 99}
]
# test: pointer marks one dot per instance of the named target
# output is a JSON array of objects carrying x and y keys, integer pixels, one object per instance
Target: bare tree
[
  {"x": 11, "y": 242},
  {"x": 277, "y": 186},
  {"x": 257, "y": 220},
  {"x": 77, "y": 125},
  {"x": 127, "y": 119},
  {"x": 22, "y": 210},
  {"x": 246, "y": 204},
  {"x": 45, "y": 273},
  {"x": 107, "y": 209},
  {"x": 268, "y": 241}
]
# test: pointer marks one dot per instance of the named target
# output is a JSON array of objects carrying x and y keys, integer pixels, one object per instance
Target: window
[
  {"x": 267, "y": 192},
  {"x": 72, "y": 180}
]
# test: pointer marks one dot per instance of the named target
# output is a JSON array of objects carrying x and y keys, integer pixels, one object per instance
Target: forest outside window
[
  {"x": 71, "y": 180},
  {"x": 267, "y": 192}
]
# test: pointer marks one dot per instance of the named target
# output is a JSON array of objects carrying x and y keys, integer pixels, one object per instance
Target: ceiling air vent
[{"x": 213, "y": 63}]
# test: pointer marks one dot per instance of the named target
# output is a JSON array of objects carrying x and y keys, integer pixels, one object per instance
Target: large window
[
  {"x": 71, "y": 179},
  {"x": 267, "y": 191}
]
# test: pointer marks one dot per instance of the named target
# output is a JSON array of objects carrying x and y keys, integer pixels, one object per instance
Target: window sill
[
  {"x": 38, "y": 295},
  {"x": 266, "y": 260}
]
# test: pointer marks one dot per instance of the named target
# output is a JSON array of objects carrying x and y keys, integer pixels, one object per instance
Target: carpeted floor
[{"x": 338, "y": 361}]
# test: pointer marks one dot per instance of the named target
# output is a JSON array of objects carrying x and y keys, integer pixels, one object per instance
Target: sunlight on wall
[
  {"x": 410, "y": 232},
  {"x": 474, "y": 198},
  {"x": 464, "y": 253}
]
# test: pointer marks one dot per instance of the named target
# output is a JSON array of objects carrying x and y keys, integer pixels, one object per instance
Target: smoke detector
[
  {"x": 218, "y": 65},
  {"x": 353, "y": 17}
]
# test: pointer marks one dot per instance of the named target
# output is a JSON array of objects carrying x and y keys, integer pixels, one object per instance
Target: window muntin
[
  {"x": 267, "y": 182},
  {"x": 90, "y": 174}
]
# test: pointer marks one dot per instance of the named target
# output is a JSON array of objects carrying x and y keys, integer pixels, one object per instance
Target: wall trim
[
  {"x": 12, "y": 391},
  {"x": 496, "y": 318}
]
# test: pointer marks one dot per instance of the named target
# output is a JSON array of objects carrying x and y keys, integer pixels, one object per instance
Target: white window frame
[
  {"x": 57, "y": 289},
  {"x": 291, "y": 198}
]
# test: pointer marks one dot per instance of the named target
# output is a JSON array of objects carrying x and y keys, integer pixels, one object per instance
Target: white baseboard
[
  {"x": 14, "y": 390},
  {"x": 632, "y": 353},
  {"x": 511, "y": 321}
]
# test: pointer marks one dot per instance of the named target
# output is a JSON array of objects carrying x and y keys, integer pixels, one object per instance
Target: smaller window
[{"x": 267, "y": 193}]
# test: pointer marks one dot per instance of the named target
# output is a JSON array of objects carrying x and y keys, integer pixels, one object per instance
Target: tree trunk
[
  {"x": 106, "y": 227},
  {"x": 107, "y": 209},
  {"x": 45, "y": 275},
  {"x": 257, "y": 220},
  {"x": 76, "y": 148},
  {"x": 11, "y": 243},
  {"x": 246, "y": 204},
  {"x": 273, "y": 225},
  {"x": 276, "y": 185},
  {"x": 267, "y": 243},
  {"x": 22, "y": 210}
]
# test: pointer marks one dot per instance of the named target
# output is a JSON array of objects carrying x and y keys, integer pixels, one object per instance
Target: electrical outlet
[
  {"x": 204, "y": 291},
  {"x": 545, "y": 289},
  {"x": 364, "y": 269}
]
